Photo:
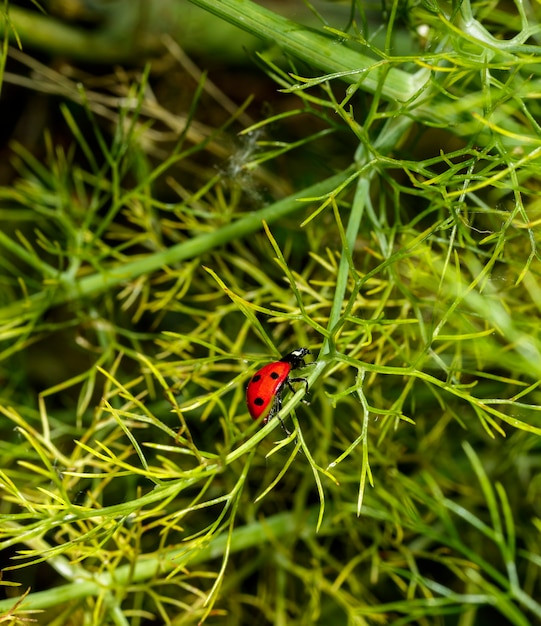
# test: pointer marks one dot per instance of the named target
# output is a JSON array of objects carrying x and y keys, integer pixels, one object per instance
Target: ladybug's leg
[
  {"x": 297, "y": 380},
  {"x": 284, "y": 427},
  {"x": 277, "y": 405}
]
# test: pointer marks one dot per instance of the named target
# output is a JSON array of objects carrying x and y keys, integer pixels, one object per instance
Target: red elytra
[{"x": 264, "y": 391}]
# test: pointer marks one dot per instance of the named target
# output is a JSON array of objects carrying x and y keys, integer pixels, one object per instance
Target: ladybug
[{"x": 264, "y": 391}]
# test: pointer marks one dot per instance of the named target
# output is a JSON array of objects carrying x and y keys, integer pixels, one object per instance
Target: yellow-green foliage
[{"x": 389, "y": 221}]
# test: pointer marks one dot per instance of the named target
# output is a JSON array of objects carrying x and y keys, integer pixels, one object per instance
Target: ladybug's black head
[{"x": 296, "y": 358}]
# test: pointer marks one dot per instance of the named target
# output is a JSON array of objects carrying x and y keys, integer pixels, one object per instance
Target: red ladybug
[{"x": 264, "y": 391}]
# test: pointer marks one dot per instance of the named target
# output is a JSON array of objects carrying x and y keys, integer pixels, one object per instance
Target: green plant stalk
[
  {"x": 390, "y": 135},
  {"x": 255, "y": 534},
  {"x": 130, "y": 32},
  {"x": 67, "y": 288},
  {"x": 43, "y": 32},
  {"x": 317, "y": 49},
  {"x": 417, "y": 90}
]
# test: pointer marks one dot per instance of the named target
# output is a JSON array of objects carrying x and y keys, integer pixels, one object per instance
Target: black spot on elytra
[
  {"x": 256, "y": 378},
  {"x": 274, "y": 375},
  {"x": 259, "y": 402}
]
